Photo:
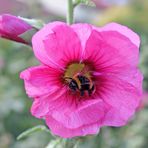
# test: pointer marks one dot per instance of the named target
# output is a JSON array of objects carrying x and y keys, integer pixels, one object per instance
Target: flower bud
[{"x": 11, "y": 27}]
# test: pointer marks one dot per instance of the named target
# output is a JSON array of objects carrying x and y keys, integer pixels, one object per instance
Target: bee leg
[
  {"x": 81, "y": 92},
  {"x": 89, "y": 92}
]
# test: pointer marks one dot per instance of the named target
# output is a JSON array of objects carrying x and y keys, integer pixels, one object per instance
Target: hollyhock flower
[
  {"x": 88, "y": 77},
  {"x": 11, "y": 27}
]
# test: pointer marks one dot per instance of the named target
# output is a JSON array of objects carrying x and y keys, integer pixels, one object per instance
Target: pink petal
[
  {"x": 125, "y": 31},
  {"x": 122, "y": 92},
  {"x": 89, "y": 112},
  {"x": 83, "y": 31},
  {"x": 111, "y": 51},
  {"x": 118, "y": 92},
  {"x": 47, "y": 104},
  {"x": 117, "y": 60},
  {"x": 93, "y": 47},
  {"x": 40, "y": 107},
  {"x": 117, "y": 117},
  {"x": 61, "y": 108},
  {"x": 40, "y": 80},
  {"x": 55, "y": 49},
  {"x": 60, "y": 130}
]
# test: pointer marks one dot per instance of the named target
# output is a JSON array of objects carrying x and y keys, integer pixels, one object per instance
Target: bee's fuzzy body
[{"x": 81, "y": 83}]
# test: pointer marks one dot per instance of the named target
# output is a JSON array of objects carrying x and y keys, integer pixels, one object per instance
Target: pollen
[{"x": 73, "y": 69}]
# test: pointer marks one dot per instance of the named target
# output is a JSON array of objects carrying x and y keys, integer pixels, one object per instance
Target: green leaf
[
  {"x": 54, "y": 143},
  {"x": 27, "y": 36},
  {"x": 31, "y": 131},
  {"x": 85, "y": 2},
  {"x": 57, "y": 143},
  {"x": 38, "y": 24}
]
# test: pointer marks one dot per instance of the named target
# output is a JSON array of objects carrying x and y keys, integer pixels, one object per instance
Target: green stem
[{"x": 70, "y": 12}]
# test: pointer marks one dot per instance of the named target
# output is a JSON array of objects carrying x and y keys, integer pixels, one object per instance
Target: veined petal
[
  {"x": 111, "y": 50},
  {"x": 47, "y": 104},
  {"x": 117, "y": 92},
  {"x": 41, "y": 80},
  {"x": 89, "y": 112},
  {"x": 117, "y": 117},
  {"x": 125, "y": 31},
  {"x": 55, "y": 49},
  {"x": 83, "y": 31},
  {"x": 59, "y": 129}
]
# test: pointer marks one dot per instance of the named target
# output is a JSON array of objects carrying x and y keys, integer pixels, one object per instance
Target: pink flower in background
[
  {"x": 13, "y": 6},
  {"x": 11, "y": 27},
  {"x": 88, "y": 77},
  {"x": 101, "y": 4},
  {"x": 144, "y": 101}
]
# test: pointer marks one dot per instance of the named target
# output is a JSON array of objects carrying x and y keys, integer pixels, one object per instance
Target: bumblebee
[{"x": 80, "y": 83}]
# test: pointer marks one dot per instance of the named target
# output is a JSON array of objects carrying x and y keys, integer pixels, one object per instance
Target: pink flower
[
  {"x": 101, "y": 4},
  {"x": 88, "y": 77},
  {"x": 11, "y": 27},
  {"x": 144, "y": 101}
]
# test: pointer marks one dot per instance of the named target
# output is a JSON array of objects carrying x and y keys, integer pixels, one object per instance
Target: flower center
[{"x": 78, "y": 78}]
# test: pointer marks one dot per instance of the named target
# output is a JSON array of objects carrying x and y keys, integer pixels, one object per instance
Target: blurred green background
[{"x": 14, "y": 57}]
